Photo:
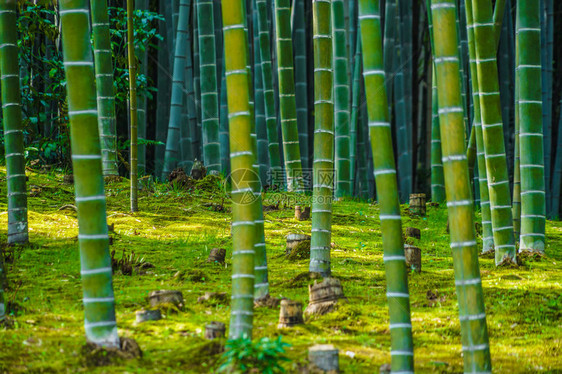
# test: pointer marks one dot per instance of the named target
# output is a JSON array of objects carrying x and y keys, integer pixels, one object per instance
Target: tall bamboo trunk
[
  {"x": 242, "y": 159},
  {"x": 301, "y": 85},
  {"x": 104, "y": 86},
  {"x": 208, "y": 82},
  {"x": 172, "y": 155},
  {"x": 287, "y": 102},
  {"x": 487, "y": 228},
  {"x": 492, "y": 126},
  {"x": 93, "y": 238},
  {"x": 141, "y": 53},
  {"x": 133, "y": 116},
  {"x": 13, "y": 127},
  {"x": 341, "y": 101},
  {"x": 528, "y": 70},
  {"x": 269, "y": 93},
  {"x": 474, "y": 336},
  {"x": 402, "y": 350},
  {"x": 323, "y": 174}
]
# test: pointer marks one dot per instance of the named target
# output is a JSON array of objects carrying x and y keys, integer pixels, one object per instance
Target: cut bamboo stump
[
  {"x": 198, "y": 170},
  {"x": 412, "y": 232},
  {"x": 290, "y": 314},
  {"x": 413, "y": 257},
  {"x": 215, "y": 330},
  {"x": 324, "y": 296},
  {"x": 166, "y": 298},
  {"x": 324, "y": 357},
  {"x": 148, "y": 315},
  {"x": 417, "y": 204},
  {"x": 217, "y": 255},
  {"x": 293, "y": 240},
  {"x": 302, "y": 214}
]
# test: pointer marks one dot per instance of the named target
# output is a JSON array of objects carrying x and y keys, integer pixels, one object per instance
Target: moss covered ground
[{"x": 176, "y": 229}]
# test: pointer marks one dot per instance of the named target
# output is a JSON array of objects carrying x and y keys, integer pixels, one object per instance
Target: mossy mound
[
  {"x": 300, "y": 252},
  {"x": 94, "y": 355}
]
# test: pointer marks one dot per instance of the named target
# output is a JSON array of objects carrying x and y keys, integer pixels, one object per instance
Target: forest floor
[{"x": 175, "y": 230}]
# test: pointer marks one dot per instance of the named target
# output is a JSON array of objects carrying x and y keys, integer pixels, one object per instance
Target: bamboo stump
[
  {"x": 324, "y": 296},
  {"x": 417, "y": 204},
  {"x": 198, "y": 170},
  {"x": 325, "y": 357},
  {"x": 217, "y": 255},
  {"x": 215, "y": 330},
  {"x": 68, "y": 179},
  {"x": 302, "y": 214},
  {"x": 412, "y": 232},
  {"x": 290, "y": 314},
  {"x": 148, "y": 315},
  {"x": 293, "y": 241},
  {"x": 166, "y": 298},
  {"x": 413, "y": 257}
]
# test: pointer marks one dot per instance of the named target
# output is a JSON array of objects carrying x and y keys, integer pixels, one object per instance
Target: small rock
[{"x": 148, "y": 315}]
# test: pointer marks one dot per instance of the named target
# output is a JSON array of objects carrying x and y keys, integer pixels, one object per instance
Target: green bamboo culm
[
  {"x": 141, "y": 55},
  {"x": 487, "y": 228},
  {"x": 287, "y": 102},
  {"x": 557, "y": 172},
  {"x": 341, "y": 101},
  {"x": 472, "y": 316},
  {"x": 323, "y": 164},
  {"x": 437, "y": 177},
  {"x": 242, "y": 158},
  {"x": 188, "y": 113},
  {"x": 354, "y": 118},
  {"x": 172, "y": 153},
  {"x": 402, "y": 347},
  {"x": 259, "y": 101},
  {"x": 528, "y": 70},
  {"x": 13, "y": 127},
  {"x": 208, "y": 81},
  {"x": 93, "y": 238},
  {"x": 492, "y": 130},
  {"x": 269, "y": 93},
  {"x": 301, "y": 90},
  {"x": 104, "y": 86},
  {"x": 132, "y": 106}
]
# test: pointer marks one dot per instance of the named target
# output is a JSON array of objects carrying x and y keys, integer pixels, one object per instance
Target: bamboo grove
[{"x": 324, "y": 99}]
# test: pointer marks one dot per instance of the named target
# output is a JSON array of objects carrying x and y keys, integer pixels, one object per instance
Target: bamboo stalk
[
  {"x": 528, "y": 71},
  {"x": 492, "y": 126},
  {"x": 287, "y": 102},
  {"x": 104, "y": 86},
  {"x": 93, "y": 239},
  {"x": 172, "y": 155},
  {"x": 133, "y": 160},
  {"x": 341, "y": 101},
  {"x": 474, "y": 336},
  {"x": 323, "y": 177},
  {"x": 402, "y": 352},
  {"x": 208, "y": 82},
  {"x": 13, "y": 126},
  {"x": 269, "y": 93},
  {"x": 301, "y": 85},
  {"x": 242, "y": 159},
  {"x": 487, "y": 227}
]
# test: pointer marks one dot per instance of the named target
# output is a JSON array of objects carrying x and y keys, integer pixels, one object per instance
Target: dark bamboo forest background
[
  {"x": 345, "y": 113},
  {"x": 46, "y": 118}
]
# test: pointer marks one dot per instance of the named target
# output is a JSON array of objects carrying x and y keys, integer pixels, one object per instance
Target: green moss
[
  {"x": 175, "y": 231},
  {"x": 300, "y": 252}
]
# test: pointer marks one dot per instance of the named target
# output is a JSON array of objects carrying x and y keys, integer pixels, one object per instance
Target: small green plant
[{"x": 243, "y": 355}]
